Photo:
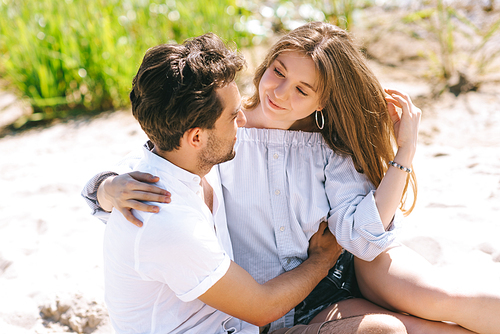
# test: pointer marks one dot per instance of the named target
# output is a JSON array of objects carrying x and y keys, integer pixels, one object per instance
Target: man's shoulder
[
  {"x": 143, "y": 166},
  {"x": 177, "y": 227},
  {"x": 182, "y": 215},
  {"x": 178, "y": 211},
  {"x": 185, "y": 212}
]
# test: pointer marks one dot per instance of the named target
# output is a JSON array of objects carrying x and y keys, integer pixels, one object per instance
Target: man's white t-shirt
[{"x": 154, "y": 274}]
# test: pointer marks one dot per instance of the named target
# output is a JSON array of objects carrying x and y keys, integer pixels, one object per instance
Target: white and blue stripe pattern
[{"x": 279, "y": 187}]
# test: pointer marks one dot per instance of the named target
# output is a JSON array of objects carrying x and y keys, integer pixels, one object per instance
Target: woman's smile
[
  {"x": 288, "y": 89},
  {"x": 273, "y": 104}
]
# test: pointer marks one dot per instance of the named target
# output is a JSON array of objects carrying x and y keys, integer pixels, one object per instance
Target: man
[{"x": 176, "y": 274}]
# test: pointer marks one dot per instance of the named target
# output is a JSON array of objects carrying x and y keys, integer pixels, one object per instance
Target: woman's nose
[
  {"x": 241, "y": 119},
  {"x": 281, "y": 91}
]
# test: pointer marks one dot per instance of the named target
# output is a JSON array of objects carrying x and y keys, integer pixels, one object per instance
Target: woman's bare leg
[
  {"x": 414, "y": 325},
  {"x": 399, "y": 279},
  {"x": 363, "y": 324}
]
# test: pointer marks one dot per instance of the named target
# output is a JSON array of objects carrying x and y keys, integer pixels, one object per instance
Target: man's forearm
[
  {"x": 290, "y": 288},
  {"x": 239, "y": 295}
]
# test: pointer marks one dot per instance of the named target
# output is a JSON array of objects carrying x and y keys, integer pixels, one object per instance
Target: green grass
[{"x": 82, "y": 55}]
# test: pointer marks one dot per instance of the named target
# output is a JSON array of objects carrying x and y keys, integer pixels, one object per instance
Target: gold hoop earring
[{"x": 322, "y": 119}]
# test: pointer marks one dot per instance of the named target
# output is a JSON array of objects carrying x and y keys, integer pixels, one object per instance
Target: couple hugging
[{"x": 281, "y": 212}]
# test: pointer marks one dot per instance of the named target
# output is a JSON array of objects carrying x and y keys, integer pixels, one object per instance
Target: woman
[{"x": 283, "y": 183}]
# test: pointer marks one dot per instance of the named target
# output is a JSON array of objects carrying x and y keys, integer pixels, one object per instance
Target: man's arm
[{"x": 239, "y": 295}]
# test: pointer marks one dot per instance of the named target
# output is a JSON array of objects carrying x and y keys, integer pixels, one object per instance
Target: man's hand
[
  {"x": 127, "y": 191},
  {"x": 323, "y": 247},
  {"x": 239, "y": 295}
]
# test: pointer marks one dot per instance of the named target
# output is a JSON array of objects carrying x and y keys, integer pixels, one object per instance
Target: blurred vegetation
[
  {"x": 69, "y": 57},
  {"x": 467, "y": 42},
  {"x": 82, "y": 55},
  {"x": 74, "y": 56}
]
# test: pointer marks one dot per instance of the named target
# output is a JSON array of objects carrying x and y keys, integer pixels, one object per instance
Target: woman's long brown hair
[{"x": 357, "y": 122}]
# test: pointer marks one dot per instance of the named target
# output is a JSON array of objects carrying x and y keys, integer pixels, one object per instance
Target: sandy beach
[{"x": 50, "y": 246}]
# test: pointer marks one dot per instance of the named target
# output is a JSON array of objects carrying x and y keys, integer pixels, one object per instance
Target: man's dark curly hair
[{"x": 175, "y": 87}]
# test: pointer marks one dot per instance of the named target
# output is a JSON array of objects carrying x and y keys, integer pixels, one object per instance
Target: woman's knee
[
  {"x": 381, "y": 323},
  {"x": 364, "y": 324}
]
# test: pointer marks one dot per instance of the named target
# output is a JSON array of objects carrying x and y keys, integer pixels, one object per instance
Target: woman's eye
[
  {"x": 301, "y": 91},
  {"x": 278, "y": 72}
]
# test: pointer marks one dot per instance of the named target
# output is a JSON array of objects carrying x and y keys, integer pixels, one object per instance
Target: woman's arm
[
  {"x": 362, "y": 217},
  {"x": 109, "y": 189},
  {"x": 128, "y": 191},
  {"x": 353, "y": 217},
  {"x": 89, "y": 193},
  {"x": 390, "y": 190}
]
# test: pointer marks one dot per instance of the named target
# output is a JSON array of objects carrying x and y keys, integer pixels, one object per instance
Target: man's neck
[
  {"x": 187, "y": 162},
  {"x": 182, "y": 160},
  {"x": 208, "y": 194}
]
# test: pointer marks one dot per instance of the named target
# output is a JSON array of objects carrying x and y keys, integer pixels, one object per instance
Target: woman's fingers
[
  {"x": 136, "y": 205},
  {"x": 150, "y": 197},
  {"x": 144, "y": 195},
  {"x": 397, "y": 97},
  {"x": 140, "y": 206},
  {"x": 147, "y": 192},
  {"x": 406, "y": 129},
  {"x": 144, "y": 177},
  {"x": 393, "y": 113},
  {"x": 403, "y": 100},
  {"x": 403, "y": 103},
  {"x": 142, "y": 182},
  {"x": 390, "y": 99},
  {"x": 399, "y": 93},
  {"x": 130, "y": 217}
]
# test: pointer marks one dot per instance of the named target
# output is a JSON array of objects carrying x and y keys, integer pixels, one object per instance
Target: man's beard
[{"x": 215, "y": 153}]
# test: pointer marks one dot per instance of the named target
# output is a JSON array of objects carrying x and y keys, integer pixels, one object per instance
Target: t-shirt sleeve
[
  {"x": 353, "y": 216},
  {"x": 183, "y": 253}
]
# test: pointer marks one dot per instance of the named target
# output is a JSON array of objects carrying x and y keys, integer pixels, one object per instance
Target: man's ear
[{"x": 194, "y": 137}]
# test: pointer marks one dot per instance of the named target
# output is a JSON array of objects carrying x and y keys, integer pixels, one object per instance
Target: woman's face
[{"x": 288, "y": 88}]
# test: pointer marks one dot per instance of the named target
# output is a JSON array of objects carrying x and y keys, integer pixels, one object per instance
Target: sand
[{"x": 50, "y": 246}]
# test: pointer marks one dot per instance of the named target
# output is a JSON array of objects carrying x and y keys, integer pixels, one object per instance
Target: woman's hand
[
  {"x": 127, "y": 191},
  {"x": 405, "y": 124}
]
